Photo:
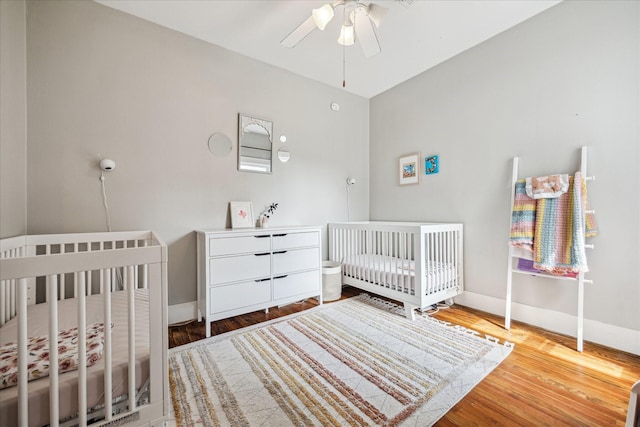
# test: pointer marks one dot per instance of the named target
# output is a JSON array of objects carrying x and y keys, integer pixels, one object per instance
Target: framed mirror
[{"x": 254, "y": 144}]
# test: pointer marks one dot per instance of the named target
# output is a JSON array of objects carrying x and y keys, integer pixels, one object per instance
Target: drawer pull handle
[
  {"x": 279, "y": 235},
  {"x": 266, "y": 253},
  {"x": 280, "y": 277},
  {"x": 280, "y": 252},
  {"x": 262, "y": 280},
  {"x": 262, "y": 236}
]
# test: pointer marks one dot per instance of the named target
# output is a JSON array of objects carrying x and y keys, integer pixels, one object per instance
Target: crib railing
[
  {"x": 74, "y": 266},
  {"x": 357, "y": 238},
  {"x": 67, "y": 282}
]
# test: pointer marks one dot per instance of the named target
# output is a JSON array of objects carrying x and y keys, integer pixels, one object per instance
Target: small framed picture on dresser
[{"x": 241, "y": 214}]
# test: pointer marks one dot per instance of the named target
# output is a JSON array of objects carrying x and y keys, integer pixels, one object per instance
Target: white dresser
[{"x": 244, "y": 270}]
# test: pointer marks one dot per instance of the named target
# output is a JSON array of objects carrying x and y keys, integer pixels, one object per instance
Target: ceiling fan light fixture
[
  {"x": 322, "y": 16},
  {"x": 376, "y": 14},
  {"x": 347, "y": 35}
]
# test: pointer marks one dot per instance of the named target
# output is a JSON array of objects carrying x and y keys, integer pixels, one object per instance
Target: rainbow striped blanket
[
  {"x": 554, "y": 229},
  {"x": 523, "y": 218}
]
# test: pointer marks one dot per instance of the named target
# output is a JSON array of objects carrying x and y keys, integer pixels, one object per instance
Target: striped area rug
[{"x": 356, "y": 362}]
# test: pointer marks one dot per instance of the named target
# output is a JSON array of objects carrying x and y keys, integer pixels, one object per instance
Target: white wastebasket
[{"x": 331, "y": 280}]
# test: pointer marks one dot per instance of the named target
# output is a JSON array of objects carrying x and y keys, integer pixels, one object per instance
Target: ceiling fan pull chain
[
  {"x": 344, "y": 47},
  {"x": 344, "y": 73}
]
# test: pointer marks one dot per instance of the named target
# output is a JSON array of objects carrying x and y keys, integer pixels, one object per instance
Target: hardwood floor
[{"x": 544, "y": 381}]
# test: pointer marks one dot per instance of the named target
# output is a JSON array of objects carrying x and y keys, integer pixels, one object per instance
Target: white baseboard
[
  {"x": 179, "y": 313},
  {"x": 597, "y": 332}
]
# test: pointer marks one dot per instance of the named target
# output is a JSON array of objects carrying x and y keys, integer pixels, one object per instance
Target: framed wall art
[
  {"x": 431, "y": 165},
  {"x": 241, "y": 214},
  {"x": 409, "y": 169}
]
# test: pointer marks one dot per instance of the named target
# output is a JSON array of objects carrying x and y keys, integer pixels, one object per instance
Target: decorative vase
[{"x": 264, "y": 223}]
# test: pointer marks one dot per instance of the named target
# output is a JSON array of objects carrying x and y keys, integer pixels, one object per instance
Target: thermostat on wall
[{"x": 335, "y": 106}]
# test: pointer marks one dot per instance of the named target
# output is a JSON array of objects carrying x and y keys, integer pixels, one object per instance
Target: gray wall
[
  {"x": 101, "y": 81},
  {"x": 13, "y": 119},
  {"x": 565, "y": 78}
]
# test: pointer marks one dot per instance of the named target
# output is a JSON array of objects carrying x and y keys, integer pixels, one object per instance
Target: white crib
[
  {"x": 418, "y": 264},
  {"x": 54, "y": 283}
]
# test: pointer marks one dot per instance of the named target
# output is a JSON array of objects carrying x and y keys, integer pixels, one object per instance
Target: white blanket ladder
[{"x": 515, "y": 253}]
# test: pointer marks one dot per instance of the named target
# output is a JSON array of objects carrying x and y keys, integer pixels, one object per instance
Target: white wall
[
  {"x": 13, "y": 119},
  {"x": 101, "y": 81},
  {"x": 565, "y": 78}
]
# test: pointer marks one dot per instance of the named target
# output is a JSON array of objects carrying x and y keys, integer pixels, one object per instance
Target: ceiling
[{"x": 414, "y": 36}]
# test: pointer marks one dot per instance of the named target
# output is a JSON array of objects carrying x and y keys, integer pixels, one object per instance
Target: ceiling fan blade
[
  {"x": 366, "y": 35},
  {"x": 299, "y": 33}
]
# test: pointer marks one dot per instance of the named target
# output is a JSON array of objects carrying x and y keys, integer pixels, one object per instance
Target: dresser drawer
[
  {"x": 238, "y": 295},
  {"x": 295, "y": 260},
  {"x": 238, "y": 245},
  {"x": 239, "y": 268},
  {"x": 295, "y": 240},
  {"x": 296, "y": 284}
]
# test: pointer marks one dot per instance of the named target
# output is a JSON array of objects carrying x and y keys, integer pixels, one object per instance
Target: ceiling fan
[{"x": 359, "y": 19}]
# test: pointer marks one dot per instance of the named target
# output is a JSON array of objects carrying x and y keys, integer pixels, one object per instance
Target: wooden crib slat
[
  {"x": 453, "y": 258},
  {"x": 440, "y": 261},
  {"x": 433, "y": 261},
  {"x": 447, "y": 259},
  {"x": 63, "y": 286},
  {"x": 380, "y": 260},
  {"x": 108, "y": 397},
  {"x": 372, "y": 261},
  {"x": 145, "y": 271},
  {"x": 436, "y": 267},
  {"x": 54, "y": 411},
  {"x": 404, "y": 265},
  {"x": 443, "y": 267},
  {"x": 127, "y": 279},
  {"x": 12, "y": 298},
  {"x": 347, "y": 237},
  {"x": 396, "y": 250},
  {"x": 428, "y": 257},
  {"x": 82, "y": 349},
  {"x": 401, "y": 253},
  {"x": 135, "y": 270},
  {"x": 23, "y": 392},
  {"x": 389, "y": 251},
  {"x": 409, "y": 255},
  {"x": 100, "y": 276},
  {"x": 47, "y": 283},
  {"x": 132, "y": 339}
]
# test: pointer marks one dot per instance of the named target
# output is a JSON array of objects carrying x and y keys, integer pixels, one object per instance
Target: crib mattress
[
  {"x": 38, "y": 325},
  {"x": 395, "y": 273}
]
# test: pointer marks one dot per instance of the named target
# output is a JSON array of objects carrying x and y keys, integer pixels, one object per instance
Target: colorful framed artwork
[
  {"x": 241, "y": 214},
  {"x": 409, "y": 169},
  {"x": 431, "y": 165}
]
